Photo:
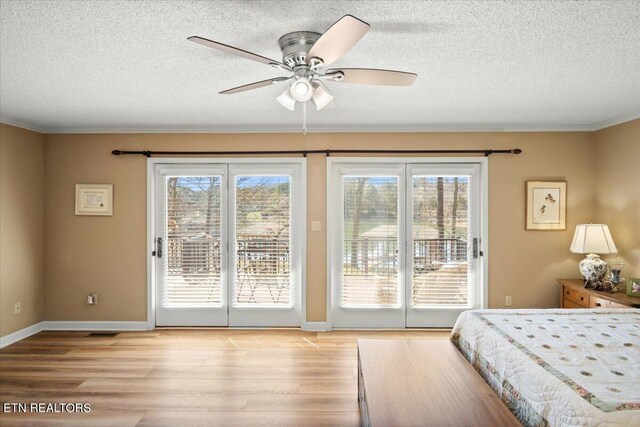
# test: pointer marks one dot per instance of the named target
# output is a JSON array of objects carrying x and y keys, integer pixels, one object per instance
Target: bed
[{"x": 558, "y": 367}]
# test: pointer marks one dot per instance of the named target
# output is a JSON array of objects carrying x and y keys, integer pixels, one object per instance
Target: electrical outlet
[
  {"x": 507, "y": 301},
  {"x": 316, "y": 226},
  {"x": 18, "y": 308}
]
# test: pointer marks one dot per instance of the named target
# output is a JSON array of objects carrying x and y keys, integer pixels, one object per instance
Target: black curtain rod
[{"x": 304, "y": 153}]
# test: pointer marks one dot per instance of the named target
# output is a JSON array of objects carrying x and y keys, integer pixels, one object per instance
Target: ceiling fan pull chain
[{"x": 304, "y": 118}]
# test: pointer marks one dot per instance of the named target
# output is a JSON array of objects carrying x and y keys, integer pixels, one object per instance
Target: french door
[
  {"x": 405, "y": 243},
  {"x": 228, "y": 244},
  {"x": 443, "y": 242},
  {"x": 367, "y": 262}
]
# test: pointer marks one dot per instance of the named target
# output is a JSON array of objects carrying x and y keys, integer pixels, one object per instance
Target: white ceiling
[{"x": 119, "y": 66}]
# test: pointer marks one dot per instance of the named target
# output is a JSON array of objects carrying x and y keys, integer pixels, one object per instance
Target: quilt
[{"x": 577, "y": 367}]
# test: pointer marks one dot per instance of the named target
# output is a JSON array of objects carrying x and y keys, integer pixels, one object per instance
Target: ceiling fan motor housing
[{"x": 295, "y": 45}]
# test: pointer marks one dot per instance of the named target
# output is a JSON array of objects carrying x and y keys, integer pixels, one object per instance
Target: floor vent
[{"x": 103, "y": 334}]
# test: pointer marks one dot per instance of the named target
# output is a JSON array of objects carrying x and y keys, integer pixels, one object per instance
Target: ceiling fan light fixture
[
  {"x": 287, "y": 101},
  {"x": 301, "y": 89},
  {"x": 321, "y": 96}
]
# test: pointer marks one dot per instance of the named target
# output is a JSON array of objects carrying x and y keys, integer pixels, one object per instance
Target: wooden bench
[{"x": 424, "y": 383}]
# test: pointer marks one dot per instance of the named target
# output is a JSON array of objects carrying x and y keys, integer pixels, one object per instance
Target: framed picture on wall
[
  {"x": 546, "y": 205},
  {"x": 94, "y": 199}
]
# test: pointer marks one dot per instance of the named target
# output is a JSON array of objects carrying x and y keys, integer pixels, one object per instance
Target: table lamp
[{"x": 593, "y": 239}]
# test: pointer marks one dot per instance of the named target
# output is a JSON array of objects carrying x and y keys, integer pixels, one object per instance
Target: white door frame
[
  {"x": 151, "y": 220},
  {"x": 483, "y": 246}
]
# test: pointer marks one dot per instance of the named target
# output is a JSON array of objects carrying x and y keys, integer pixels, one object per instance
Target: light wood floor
[{"x": 179, "y": 377}]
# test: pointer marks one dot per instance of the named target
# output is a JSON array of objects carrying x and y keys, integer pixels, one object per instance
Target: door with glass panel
[
  {"x": 228, "y": 245},
  {"x": 443, "y": 242},
  {"x": 366, "y": 240},
  {"x": 265, "y": 244},
  {"x": 190, "y": 246},
  {"x": 402, "y": 244}
]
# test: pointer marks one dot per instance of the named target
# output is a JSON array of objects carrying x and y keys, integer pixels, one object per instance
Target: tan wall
[
  {"x": 21, "y": 227},
  {"x": 618, "y": 190},
  {"x": 108, "y": 254}
]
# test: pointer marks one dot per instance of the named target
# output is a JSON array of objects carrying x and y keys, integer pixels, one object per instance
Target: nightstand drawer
[
  {"x": 595, "y": 302},
  {"x": 568, "y": 304},
  {"x": 577, "y": 297},
  {"x": 573, "y": 294}
]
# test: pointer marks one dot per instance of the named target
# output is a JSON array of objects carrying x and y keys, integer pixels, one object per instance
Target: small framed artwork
[
  {"x": 546, "y": 205},
  {"x": 633, "y": 287},
  {"x": 94, "y": 199}
]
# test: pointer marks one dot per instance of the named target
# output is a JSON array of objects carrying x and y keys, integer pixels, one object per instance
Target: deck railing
[
  {"x": 361, "y": 256},
  {"x": 365, "y": 256}
]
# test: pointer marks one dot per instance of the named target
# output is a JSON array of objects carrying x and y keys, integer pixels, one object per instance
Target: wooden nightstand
[{"x": 575, "y": 295}]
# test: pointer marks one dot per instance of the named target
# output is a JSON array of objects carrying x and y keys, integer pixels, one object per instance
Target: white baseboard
[
  {"x": 21, "y": 334},
  {"x": 95, "y": 326},
  {"x": 54, "y": 325},
  {"x": 315, "y": 326},
  {"x": 71, "y": 326}
]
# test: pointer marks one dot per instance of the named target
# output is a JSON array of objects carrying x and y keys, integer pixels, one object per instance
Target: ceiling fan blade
[
  {"x": 338, "y": 39},
  {"x": 255, "y": 85},
  {"x": 235, "y": 51},
  {"x": 373, "y": 76},
  {"x": 322, "y": 97}
]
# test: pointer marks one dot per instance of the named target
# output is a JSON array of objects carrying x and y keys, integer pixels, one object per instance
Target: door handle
[
  {"x": 475, "y": 247},
  {"x": 159, "y": 247}
]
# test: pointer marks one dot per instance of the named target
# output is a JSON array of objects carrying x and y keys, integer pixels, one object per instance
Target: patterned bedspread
[{"x": 558, "y": 367}]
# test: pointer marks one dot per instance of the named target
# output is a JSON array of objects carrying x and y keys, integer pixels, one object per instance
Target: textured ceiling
[{"x": 127, "y": 66}]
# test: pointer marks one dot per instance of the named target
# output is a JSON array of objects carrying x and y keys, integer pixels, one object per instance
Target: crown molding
[
  {"x": 617, "y": 120},
  {"x": 361, "y": 128},
  {"x": 455, "y": 128},
  {"x": 19, "y": 124}
]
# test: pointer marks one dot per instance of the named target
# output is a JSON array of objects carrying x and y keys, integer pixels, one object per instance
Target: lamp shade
[{"x": 593, "y": 238}]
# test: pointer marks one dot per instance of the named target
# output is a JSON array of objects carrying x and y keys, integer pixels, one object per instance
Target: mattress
[{"x": 558, "y": 367}]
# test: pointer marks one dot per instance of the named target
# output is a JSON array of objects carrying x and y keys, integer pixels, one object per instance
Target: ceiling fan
[{"x": 305, "y": 54}]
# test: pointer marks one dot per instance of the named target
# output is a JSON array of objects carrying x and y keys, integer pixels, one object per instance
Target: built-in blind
[
  {"x": 192, "y": 252},
  {"x": 370, "y": 240},
  {"x": 440, "y": 232},
  {"x": 262, "y": 239}
]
